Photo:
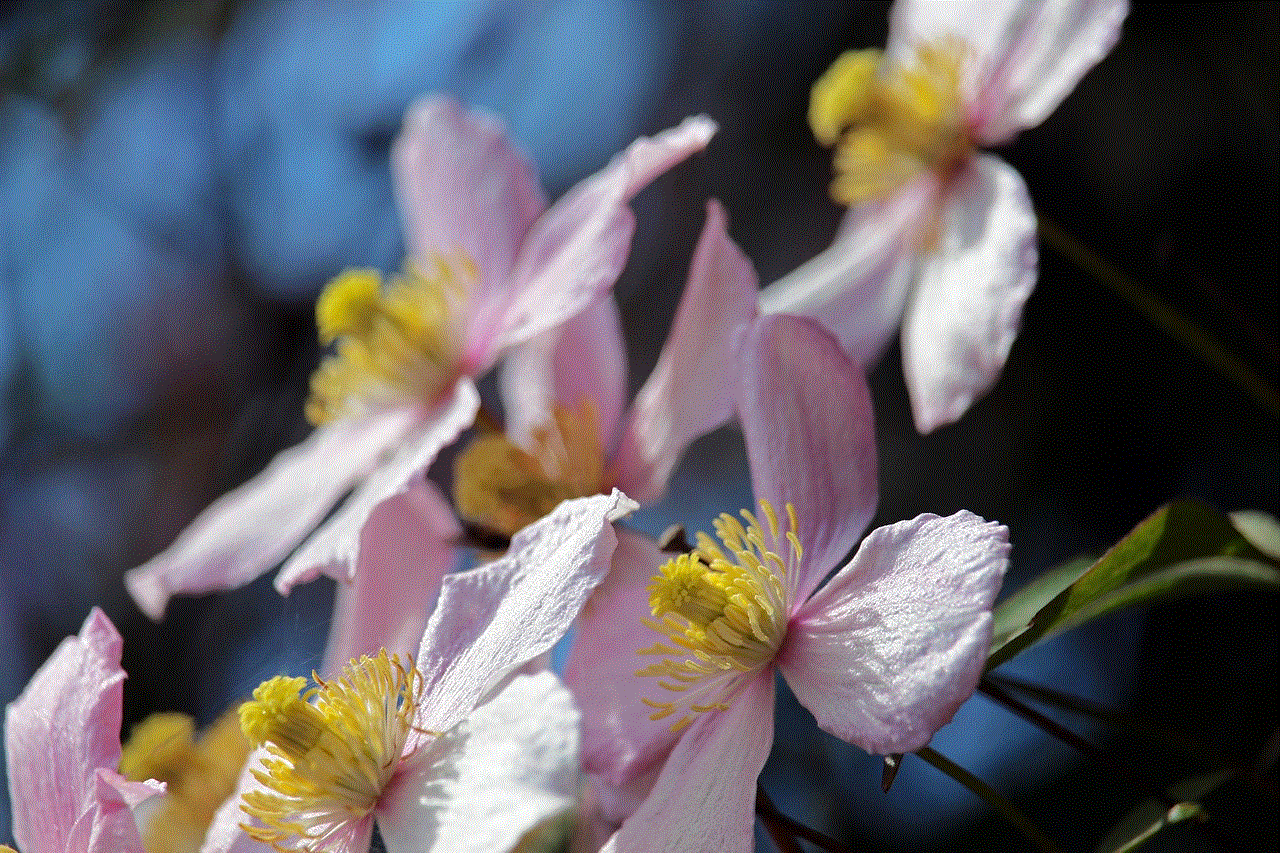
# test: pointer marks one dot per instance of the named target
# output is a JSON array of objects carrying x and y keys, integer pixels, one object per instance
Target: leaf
[
  {"x": 1151, "y": 816},
  {"x": 1181, "y": 549},
  {"x": 1260, "y": 528}
]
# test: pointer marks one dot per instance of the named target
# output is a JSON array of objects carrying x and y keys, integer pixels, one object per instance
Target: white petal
[
  {"x": 509, "y": 765},
  {"x": 964, "y": 314},
  {"x": 885, "y": 653}
]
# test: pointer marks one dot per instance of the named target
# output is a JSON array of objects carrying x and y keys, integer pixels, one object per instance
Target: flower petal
[
  {"x": 885, "y": 653},
  {"x": 250, "y": 529},
  {"x": 704, "y": 799},
  {"x": 335, "y": 547},
  {"x": 577, "y": 249},
  {"x": 583, "y": 358},
  {"x": 463, "y": 187},
  {"x": 857, "y": 287},
  {"x": 406, "y": 548},
  {"x": 59, "y": 733},
  {"x": 619, "y": 741},
  {"x": 806, "y": 415},
  {"x": 492, "y": 619},
  {"x": 964, "y": 314},
  {"x": 512, "y": 763},
  {"x": 692, "y": 388}
]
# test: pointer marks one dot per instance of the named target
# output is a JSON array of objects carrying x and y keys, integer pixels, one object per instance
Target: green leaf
[
  {"x": 1260, "y": 528},
  {"x": 1151, "y": 816},
  {"x": 1181, "y": 549}
]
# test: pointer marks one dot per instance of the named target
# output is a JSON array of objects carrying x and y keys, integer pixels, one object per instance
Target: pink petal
[
  {"x": 250, "y": 529},
  {"x": 512, "y": 763},
  {"x": 492, "y": 619},
  {"x": 704, "y": 799},
  {"x": 406, "y": 548},
  {"x": 576, "y": 250},
  {"x": 885, "y": 653},
  {"x": 806, "y": 416},
  {"x": 335, "y": 547},
  {"x": 619, "y": 741},
  {"x": 226, "y": 833},
  {"x": 857, "y": 287},
  {"x": 463, "y": 187},
  {"x": 967, "y": 305},
  {"x": 59, "y": 733},
  {"x": 583, "y": 358},
  {"x": 692, "y": 388}
]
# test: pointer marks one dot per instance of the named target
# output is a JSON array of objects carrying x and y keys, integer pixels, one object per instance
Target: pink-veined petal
[
  {"x": 583, "y": 358},
  {"x": 577, "y": 249},
  {"x": 857, "y": 287},
  {"x": 964, "y": 313},
  {"x": 250, "y": 529},
  {"x": 810, "y": 436},
  {"x": 406, "y": 548},
  {"x": 463, "y": 187},
  {"x": 59, "y": 733},
  {"x": 705, "y": 796},
  {"x": 885, "y": 653},
  {"x": 335, "y": 547},
  {"x": 694, "y": 385},
  {"x": 619, "y": 740},
  {"x": 1048, "y": 47},
  {"x": 226, "y": 833},
  {"x": 512, "y": 763},
  {"x": 491, "y": 619}
]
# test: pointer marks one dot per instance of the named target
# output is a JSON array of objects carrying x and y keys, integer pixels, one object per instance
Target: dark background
[{"x": 177, "y": 181}]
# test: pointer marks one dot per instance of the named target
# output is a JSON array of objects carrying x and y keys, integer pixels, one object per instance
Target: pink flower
[
  {"x": 462, "y": 751},
  {"x": 62, "y": 744},
  {"x": 490, "y": 266},
  {"x": 567, "y": 433},
  {"x": 945, "y": 245},
  {"x": 882, "y": 654}
]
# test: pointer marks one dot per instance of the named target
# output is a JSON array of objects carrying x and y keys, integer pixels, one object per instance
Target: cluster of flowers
[{"x": 435, "y": 716}]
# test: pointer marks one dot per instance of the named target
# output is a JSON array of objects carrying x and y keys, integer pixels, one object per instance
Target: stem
[
  {"x": 993, "y": 691},
  {"x": 991, "y": 797},
  {"x": 784, "y": 830},
  {"x": 1163, "y": 316}
]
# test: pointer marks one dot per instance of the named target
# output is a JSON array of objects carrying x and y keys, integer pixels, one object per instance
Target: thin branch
[
  {"x": 991, "y": 797},
  {"x": 998, "y": 694},
  {"x": 1163, "y": 317},
  {"x": 776, "y": 822}
]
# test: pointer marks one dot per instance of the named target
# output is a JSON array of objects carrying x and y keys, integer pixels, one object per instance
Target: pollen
[
  {"x": 200, "y": 773},
  {"x": 504, "y": 487},
  {"x": 723, "y": 608},
  {"x": 332, "y": 749},
  {"x": 891, "y": 120},
  {"x": 394, "y": 342}
]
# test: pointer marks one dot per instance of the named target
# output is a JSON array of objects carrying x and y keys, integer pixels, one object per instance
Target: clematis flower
[
  {"x": 567, "y": 434},
  {"x": 882, "y": 654},
  {"x": 942, "y": 240},
  {"x": 490, "y": 266},
  {"x": 62, "y": 744},
  {"x": 460, "y": 751}
]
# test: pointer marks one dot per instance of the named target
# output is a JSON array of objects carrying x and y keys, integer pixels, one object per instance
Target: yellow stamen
[
  {"x": 892, "y": 121},
  {"x": 393, "y": 344},
  {"x": 333, "y": 749},
  {"x": 200, "y": 775},
  {"x": 725, "y": 614},
  {"x": 504, "y": 487}
]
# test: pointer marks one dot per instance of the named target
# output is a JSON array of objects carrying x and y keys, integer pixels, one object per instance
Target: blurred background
[{"x": 177, "y": 181}]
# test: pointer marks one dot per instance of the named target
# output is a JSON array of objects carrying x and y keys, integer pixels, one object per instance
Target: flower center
[
  {"x": 393, "y": 344},
  {"x": 892, "y": 121},
  {"x": 333, "y": 749},
  {"x": 504, "y": 487},
  {"x": 199, "y": 773},
  {"x": 723, "y": 609}
]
